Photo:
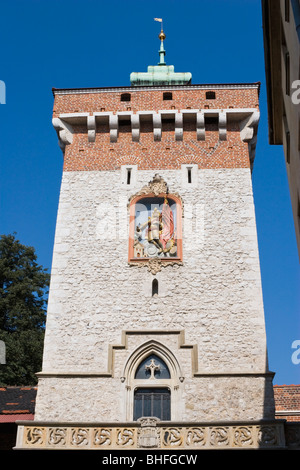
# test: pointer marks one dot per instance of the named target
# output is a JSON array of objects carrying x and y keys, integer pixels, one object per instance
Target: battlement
[{"x": 105, "y": 128}]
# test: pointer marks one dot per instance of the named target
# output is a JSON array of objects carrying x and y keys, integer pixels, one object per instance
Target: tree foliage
[{"x": 23, "y": 299}]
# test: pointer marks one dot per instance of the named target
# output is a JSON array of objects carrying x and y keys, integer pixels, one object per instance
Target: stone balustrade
[{"x": 150, "y": 433}]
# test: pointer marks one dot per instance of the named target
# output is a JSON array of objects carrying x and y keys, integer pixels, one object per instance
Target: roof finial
[
  {"x": 160, "y": 74},
  {"x": 161, "y": 36}
]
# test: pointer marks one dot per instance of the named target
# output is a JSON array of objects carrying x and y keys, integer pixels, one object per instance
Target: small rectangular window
[
  {"x": 189, "y": 175},
  {"x": 152, "y": 402},
  {"x": 125, "y": 97},
  {"x": 167, "y": 96},
  {"x": 210, "y": 95}
]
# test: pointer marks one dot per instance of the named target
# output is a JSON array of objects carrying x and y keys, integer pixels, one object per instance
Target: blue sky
[{"x": 72, "y": 43}]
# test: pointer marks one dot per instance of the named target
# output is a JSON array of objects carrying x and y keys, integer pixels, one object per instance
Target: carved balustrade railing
[{"x": 150, "y": 433}]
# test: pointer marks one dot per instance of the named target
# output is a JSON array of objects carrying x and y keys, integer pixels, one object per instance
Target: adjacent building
[{"x": 281, "y": 26}]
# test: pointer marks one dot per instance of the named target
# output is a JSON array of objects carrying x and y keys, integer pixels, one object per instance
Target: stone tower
[{"x": 155, "y": 334}]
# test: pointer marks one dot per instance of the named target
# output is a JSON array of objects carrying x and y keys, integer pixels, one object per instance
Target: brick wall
[
  {"x": 287, "y": 399},
  {"x": 152, "y": 99},
  {"x": 102, "y": 154}
]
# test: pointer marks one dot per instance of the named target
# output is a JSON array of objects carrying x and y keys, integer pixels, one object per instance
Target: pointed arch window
[{"x": 154, "y": 400}]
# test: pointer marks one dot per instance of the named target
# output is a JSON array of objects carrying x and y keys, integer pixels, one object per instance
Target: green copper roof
[{"x": 160, "y": 74}]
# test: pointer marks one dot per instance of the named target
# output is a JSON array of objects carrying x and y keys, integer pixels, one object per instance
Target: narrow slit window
[
  {"x": 128, "y": 175},
  {"x": 154, "y": 287},
  {"x": 189, "y": 175}
]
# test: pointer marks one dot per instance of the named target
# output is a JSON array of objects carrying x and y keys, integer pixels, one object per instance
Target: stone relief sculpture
[
  {"x": 150, "y": 432},
  {"x": 155, "y": 228}
]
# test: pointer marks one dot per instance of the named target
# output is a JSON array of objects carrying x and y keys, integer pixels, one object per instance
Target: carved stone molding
[
  {"x": 64, "y": 132},
  {"x": 148, "y": 435},
  {"x": 155, "y": 265},
  {"x": 150, "y": 432},
  {"x": 156, "y": 186},
  {"x": 248, "y": 133},
  {"x": 91, "y": 125},
  {"x": 292, "y": 435}
]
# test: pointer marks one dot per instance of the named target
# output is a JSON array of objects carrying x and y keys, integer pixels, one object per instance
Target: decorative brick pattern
[
  {"x": 137, "y": 142},
  {"x": 148, "y": 154},
  {"x": 106, "y": 99}
]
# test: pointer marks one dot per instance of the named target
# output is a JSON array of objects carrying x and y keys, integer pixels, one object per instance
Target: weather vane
[
  {"x": 159, "y": 20},
  {"x": 161, "y": 36}
]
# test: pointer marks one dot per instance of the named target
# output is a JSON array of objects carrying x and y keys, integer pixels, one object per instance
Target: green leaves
[{"x": 23, "y": 300}]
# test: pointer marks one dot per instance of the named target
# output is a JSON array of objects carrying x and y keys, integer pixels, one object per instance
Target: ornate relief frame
[{"x": 157, "y": 188}]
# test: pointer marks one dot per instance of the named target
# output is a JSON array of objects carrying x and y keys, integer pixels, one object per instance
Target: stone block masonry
[
  {"x": 214, "y": 297},
  {"x": 207, "y": 321}
]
